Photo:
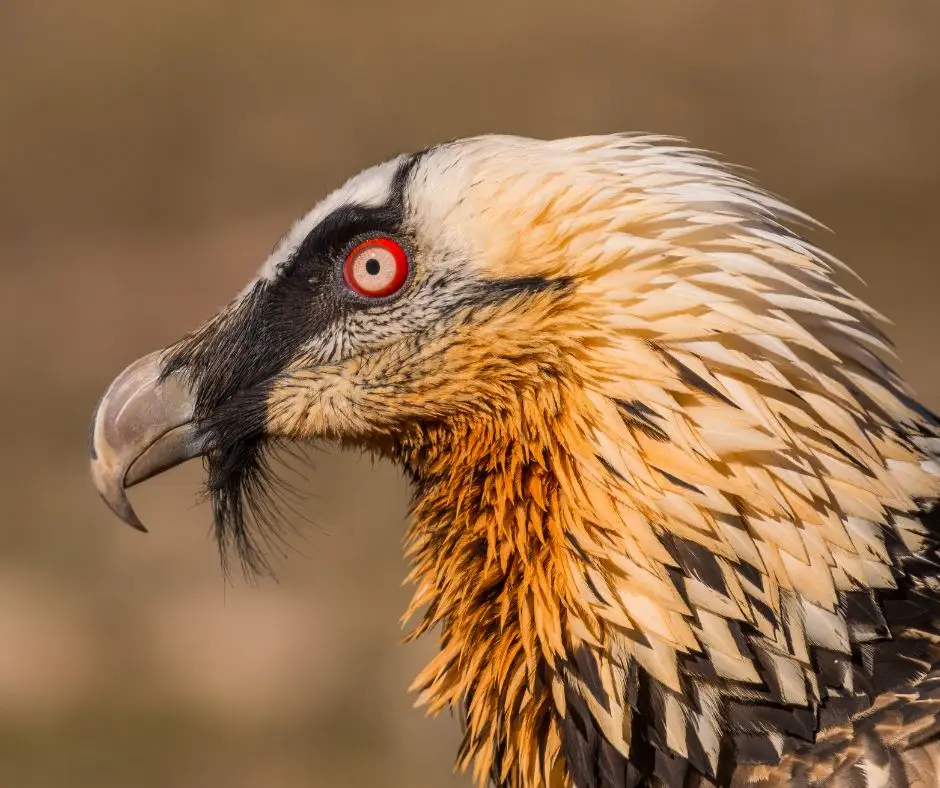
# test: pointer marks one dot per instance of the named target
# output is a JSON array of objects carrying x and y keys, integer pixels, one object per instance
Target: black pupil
[{"x": 373, "y": 266}]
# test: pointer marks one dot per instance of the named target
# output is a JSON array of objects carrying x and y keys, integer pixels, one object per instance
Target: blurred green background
[{"x": 151, "y": 154}]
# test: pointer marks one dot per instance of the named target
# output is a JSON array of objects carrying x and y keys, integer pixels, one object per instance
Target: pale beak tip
[
  {"x": 126, "y": 512},
  {"x": 137, "y": 525},
  {"x": 110, "y": 487}
]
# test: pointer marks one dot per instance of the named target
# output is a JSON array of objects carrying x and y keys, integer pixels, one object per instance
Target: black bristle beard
[
  {"x": 247, "y": 495},
  {"x": 231, "y": 363},
  {"x": 244, "y": 493}
]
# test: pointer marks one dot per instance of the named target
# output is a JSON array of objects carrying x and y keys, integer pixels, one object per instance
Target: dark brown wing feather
[{"x": 895, "y": 744}]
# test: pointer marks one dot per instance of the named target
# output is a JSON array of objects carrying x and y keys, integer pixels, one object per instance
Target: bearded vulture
[{"x": 674, "y": 515}]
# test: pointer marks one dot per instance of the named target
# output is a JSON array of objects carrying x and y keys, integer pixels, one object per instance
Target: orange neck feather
[{"x": 492, "y": 537}]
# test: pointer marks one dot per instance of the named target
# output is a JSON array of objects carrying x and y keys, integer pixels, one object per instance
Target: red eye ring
[{"x": 376, "y": 268}]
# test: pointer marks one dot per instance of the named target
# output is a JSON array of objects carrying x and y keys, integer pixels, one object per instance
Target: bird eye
[{"x": 376, "y": 268}]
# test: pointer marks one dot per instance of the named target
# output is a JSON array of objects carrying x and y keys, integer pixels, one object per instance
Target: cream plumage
[{"x": 673, "y": 511}]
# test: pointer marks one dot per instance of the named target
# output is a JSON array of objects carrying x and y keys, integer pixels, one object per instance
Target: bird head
[
  {"x": 434, "y": 290},
  {"x": 653, "y": 442}
]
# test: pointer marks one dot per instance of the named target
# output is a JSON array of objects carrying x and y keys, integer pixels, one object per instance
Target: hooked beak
[{"x": 142, "y": 426}]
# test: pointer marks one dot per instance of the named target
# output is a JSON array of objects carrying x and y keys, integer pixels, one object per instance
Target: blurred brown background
[{"x": 150, "y": 155}]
